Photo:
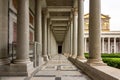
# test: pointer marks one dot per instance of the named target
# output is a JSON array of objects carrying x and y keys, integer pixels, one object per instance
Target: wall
[
  {"x": 66, "y": 43},
  {"x": 54, "y": 46}
]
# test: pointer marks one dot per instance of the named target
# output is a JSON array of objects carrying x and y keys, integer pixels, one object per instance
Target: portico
[{"x": 32, "y": 30}]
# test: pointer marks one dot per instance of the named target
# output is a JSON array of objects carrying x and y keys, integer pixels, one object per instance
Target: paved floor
[{"x": 58, "y": 68}]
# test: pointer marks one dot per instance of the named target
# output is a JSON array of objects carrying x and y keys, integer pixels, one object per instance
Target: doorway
[{"x": 59, "y": 49}]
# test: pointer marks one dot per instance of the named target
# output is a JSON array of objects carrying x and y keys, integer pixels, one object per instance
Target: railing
[{"x": 34, "y": 53}]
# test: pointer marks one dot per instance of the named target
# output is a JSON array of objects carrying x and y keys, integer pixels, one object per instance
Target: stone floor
[{"x": 58, "y": 68}]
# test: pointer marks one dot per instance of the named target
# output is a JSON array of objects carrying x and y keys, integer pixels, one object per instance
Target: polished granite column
[
  {"x": 115, "y": 45},
  {"x": 22, "y": 63},
  {"x": 71, "y": 37},
  {"x": 95, "y": 33},
  {"x": 4, "y": 58},
  {"x": 108, "y": 45},
  {"x": 45, "y": 31},
  {"x": 80, "y": 55},
  {"x": 103, "y": 44},
  {"x": 38, "y": 33},
  {"x": 75, "y": 22},
  {"x": 38, "y": 22},
  {"x": 22, "y": 55},
  {"x": 49, "y": 38},
  {"x": 85, "y": 41}
]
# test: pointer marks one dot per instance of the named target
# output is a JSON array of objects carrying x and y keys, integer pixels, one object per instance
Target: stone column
[
  {"x": 85, "y": 41},
  {"x": 108, "y": 45},
  {"x": 63, "y": 47},
  {"x": 95, "y": 33},
  {"x": 71, "y": 38},
  {"x": 22, "y": 54},
  {"x": 103, "y": 45},
  {"x": 4, "y": 32},
  {"x": 80, "y": 54},
  {"x": 38, "y": 32},
  {"x": 38, "y": 22},
  {"x": 115, "y": 45},
  {"x": 22, "y": 63},
  {"x": 45, "y": 50},
  {"x": 75, "y": 13},
  {"x": 49, "y": 38}
]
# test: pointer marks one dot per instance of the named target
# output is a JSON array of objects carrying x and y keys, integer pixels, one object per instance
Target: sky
[{"x": 111, "y": 8}]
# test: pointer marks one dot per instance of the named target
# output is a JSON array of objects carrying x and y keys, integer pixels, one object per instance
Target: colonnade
[
  {"x": 78, "y": 41},
  {"x": 108, "y": 45},
  {"x": 74, "y": 42},
  {"x": 42, "y": 33}
]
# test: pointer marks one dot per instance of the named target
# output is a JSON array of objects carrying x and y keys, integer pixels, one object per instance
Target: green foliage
[
  {"x": 111, "y": 59},
  {"x": 112, "y": 55},
  {"x": 86, "y": 55},
  {"x": 114, "y": 62}
]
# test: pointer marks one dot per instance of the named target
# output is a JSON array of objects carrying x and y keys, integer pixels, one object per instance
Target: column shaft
[
  {"x": 45, "y": 31},
  {"x": 95, "y": 32},
  {"x": 109, "y": 46},
  {"x": 49, "y": 38},
  {"x": 85, "y": 41},
  {"x": 22, "y": 55},
  {"x": 4, "y": 32},
  {"x": 80, "y": 29},
  {"x": 75, "y": 33},
  {"x": 38, "y": 26},
  {"x": 71, "y": 38},
  {"x": 103, "y": 45},
  {"x": 114, "y": 45},
  {"x": 38, "y": 32}
]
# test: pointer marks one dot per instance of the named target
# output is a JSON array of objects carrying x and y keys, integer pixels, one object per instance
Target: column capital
[
  {"x": 75, "y": 11},
  {"x": 83, "y": 0},
  {"x": 71, "y": 15},
  {"x": 45, "y": 12}
]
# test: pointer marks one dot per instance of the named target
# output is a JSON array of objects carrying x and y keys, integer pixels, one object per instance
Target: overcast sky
[{"x": 111, "y": 8}]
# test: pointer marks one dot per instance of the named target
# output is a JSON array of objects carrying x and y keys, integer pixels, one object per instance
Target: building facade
[{"x": 110, "y": 40}]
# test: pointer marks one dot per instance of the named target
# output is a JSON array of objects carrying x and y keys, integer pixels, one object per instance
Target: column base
[
  {"x": 49, "y": 57},
  {"x": 41, "y": 62},
  {"x": 25, "y": 69},
  {"x": 96, "y": 62},
  {"x": 45, "y": 58},
  {"x": 4, "y": 61},
  {"x": 66, "y": 54},
  {"x": 70, "y": 55},
  {"x": 74, "y": 56},
  {"x": 21, "y": 61},
  {"x": 81, "y": 58},
  {"x": 17, "y": 69}
]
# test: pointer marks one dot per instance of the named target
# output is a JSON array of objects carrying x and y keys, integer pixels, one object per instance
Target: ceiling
[{"x": 59, "y": 13}]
